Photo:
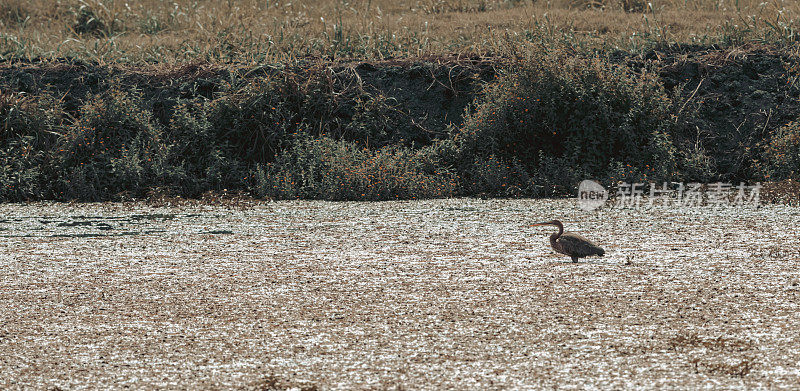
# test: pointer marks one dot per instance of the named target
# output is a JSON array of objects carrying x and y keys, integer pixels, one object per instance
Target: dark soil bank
[
  {"x": 428, "y": 93},
  {"x": 415, "y": 128},
  {"x": 733, "y": 100}
]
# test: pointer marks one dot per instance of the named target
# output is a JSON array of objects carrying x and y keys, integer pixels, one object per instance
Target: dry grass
[{"x": 280, "y": 31}]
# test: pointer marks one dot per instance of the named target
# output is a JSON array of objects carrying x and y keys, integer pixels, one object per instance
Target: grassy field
[
  {"x": 257, "y": 32},
  {"x": 433, "y": 294}
]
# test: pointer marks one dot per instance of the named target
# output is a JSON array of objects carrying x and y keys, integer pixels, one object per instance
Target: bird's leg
[{"x": 575, "y": 259}]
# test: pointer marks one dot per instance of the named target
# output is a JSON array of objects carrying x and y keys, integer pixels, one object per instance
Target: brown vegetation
[{"x": 255, "y": 31}]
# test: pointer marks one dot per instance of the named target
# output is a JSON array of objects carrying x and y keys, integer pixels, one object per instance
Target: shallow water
[{"x": 424, "y": 295}]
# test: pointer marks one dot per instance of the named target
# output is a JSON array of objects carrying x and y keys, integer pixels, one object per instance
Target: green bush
[
  {"x": 556, "y": 176},
  {"x": 697, "y": 165},
  {"x": 376, "y": 123},
  {"x": 113, "y": 147},
  {"x": 782, "y": 154},
  {"x": 265, "y": 116},
  {"x": 28, "y": 131},
  {"x": 324, "y": 168},
  {"x": 491, "y": 175},
  {"x": 200, "y": 161},
  {"x": 21, "y": 171},
  {"x": 547, "y": 123},
  {"x": 257, "y": 122},
  {"x": 560, "y": 118}
]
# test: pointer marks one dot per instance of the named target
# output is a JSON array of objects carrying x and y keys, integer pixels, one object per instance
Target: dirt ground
[{"x": 438, "y": 294}]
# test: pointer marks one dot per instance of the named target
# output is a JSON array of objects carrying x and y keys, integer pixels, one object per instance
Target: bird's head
[{"x": 551, "y": 222}]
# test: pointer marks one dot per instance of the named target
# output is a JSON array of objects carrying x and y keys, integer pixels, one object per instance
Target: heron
[{"x": 570, "y": 243}]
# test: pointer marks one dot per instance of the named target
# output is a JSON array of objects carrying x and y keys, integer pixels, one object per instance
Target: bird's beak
[{"x": 538, "y": 224}]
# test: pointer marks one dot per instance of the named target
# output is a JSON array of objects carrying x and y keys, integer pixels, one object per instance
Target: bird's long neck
[{"x": 557, "y": 235}]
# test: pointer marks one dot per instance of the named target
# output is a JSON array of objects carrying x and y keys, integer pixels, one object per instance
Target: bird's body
[{"x": 572, "y": 244}]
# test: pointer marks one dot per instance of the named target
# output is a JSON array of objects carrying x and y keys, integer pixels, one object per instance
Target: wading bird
[{"x": 572, "y": 244}]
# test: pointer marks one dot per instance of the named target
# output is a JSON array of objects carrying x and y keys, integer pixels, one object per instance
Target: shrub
[
  {"x": 201, "y": 162},
  {"x": 27, "y": 134},
  {"x": 783, "y": 152},
  {"x": 324, "y": 168},
  {"x": 21, "y": 171},
  {"x": 491, "y": 175},
  {"x": 113, "y": 147},
  {"x": 556, "y": 176},
  {"x": 255, "y": 123},
  {"x": 376, "y": 122},
  {"x": 560, "y": 117},
  {"x": 697, "y": 165}
]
